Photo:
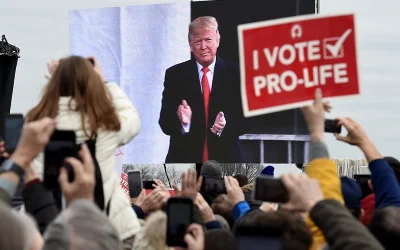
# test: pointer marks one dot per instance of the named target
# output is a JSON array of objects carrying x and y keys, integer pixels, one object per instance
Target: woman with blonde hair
[{"x": 79, "y": 99}]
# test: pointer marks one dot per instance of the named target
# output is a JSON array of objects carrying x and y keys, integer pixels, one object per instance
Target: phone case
[{"x": 177, "y": 231}]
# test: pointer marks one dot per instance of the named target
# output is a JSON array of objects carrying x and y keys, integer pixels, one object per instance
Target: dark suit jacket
[{"x": 182, "y": 83}]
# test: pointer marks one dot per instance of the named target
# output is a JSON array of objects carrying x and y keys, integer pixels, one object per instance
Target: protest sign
[
  {"x": 124, "y": 183},
  {"x": 283, "y": 61}
]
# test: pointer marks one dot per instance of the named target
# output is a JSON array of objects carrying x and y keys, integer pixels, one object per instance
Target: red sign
[
  {"x": 124, "y": 183},
  {"x": 283, "y": 61}
]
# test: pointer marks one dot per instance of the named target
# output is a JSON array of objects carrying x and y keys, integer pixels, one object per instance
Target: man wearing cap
[
  {"x": 210, "y": 168},
  {"x": 201, "y": 105}
]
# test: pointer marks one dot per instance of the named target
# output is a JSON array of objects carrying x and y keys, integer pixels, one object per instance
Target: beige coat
[{"x": 121, "y": 214}]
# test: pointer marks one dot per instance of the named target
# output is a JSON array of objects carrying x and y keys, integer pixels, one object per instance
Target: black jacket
[
  {"x": 40, "y": 203},
  {"x": 182, "y": 83}
]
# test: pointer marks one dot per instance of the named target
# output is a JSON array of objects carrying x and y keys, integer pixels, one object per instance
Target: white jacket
[{"x": 122, "y": 215}]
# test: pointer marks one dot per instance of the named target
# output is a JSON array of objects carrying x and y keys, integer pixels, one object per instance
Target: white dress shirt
[{"x": 210, "y": 76}]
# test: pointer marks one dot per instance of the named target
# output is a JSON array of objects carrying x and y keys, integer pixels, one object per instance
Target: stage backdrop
[{"x": 135, "y": 45}]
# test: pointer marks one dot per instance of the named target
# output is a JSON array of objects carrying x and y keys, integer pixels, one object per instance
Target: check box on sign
[
  {"x": 329, "y": 48},
  {"x": 333, "y": 47}
]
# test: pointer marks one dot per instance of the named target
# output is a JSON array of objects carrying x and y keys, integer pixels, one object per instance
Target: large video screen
[{"x": 136, "y": 45}]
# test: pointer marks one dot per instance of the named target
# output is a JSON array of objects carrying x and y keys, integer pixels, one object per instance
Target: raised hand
[
  {"x": 195, "y": 237},
  {"x": 51, "y": 67},
  {"x": 355, "y": 136},
  {"x": 219, "y": 124},
  {"x": 83, "y": 185},
  {"x": 233, "y": 190},
  {"x": 184, "y": 113},
  {"x": 304, "y": 192},
  {"x": 190, "y": 185},
  {"x": 161, "y": 184},
  {"x": 3, "y": 152},
  {"x": 34, "y": 137},
  {"x": 97, "y": 68},
  {"x": 205, "y": 209},
  {"x": 314, "y": 115},
  {"x": 152, "y": 202}
]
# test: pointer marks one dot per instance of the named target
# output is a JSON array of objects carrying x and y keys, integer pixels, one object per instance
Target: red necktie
[{"x": 206, "y": 97}]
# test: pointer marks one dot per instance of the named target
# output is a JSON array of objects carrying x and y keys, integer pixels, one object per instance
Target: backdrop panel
[{"x": 135, "y": 45}]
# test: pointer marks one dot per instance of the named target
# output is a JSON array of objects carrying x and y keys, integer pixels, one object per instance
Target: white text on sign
[{"x": 301, "y": 52}]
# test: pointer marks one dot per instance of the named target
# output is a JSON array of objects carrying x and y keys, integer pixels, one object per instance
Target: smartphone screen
[
  {"x": 213, "y": 185},
  {"x": 270, "y": 189},
  {"x": 12, "y": 131},
  {"x": 135, "y": 183},
  {"x": 256, "y": 242},
  {"x": 179, "y": 218},
  {"x": 363, "y": 181},
  {"x": 62, "y": 144},
  {"x": 331, "y": 126},
  {"x": 148, "y": 184}
]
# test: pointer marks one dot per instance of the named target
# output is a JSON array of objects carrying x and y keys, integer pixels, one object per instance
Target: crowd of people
[
  {"x": 324, "y": 211},
  {"x": 91, "y": 211}
]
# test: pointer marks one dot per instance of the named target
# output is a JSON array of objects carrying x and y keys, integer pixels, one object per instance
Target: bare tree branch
[
  {"x": 148, "y": 171},
  {"x": 251, "y": 170}
]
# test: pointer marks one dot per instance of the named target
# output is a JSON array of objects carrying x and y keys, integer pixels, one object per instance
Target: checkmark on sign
[{"x": 333, "y": 47}]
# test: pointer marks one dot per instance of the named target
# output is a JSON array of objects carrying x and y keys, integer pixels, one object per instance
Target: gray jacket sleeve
[
  {"x": 318, "y": 150},
  {"x": 341, "y": 230},
  {"x": 7, "y": 190}
]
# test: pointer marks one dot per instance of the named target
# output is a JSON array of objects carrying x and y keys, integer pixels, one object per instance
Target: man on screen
[{"x": 201, "y": 105}]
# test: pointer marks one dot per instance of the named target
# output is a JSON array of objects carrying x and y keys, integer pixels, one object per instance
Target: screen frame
[{"x": 11, "y": 148}]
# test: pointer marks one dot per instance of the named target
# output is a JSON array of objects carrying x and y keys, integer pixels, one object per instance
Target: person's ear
[
  {"x": 190, "y": 42},
  {"x": 370, "y": 185},
  {"x": 218, "y": 38}
]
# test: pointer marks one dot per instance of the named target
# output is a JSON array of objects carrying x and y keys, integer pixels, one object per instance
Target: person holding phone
[{"x": 79, "y": 99}]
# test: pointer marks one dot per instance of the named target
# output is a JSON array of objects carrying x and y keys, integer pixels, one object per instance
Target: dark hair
[
  {"x": 299, "y": 166},
  {"x": 218, "y": 239},
  {"x": 222, "y": 207},
  {"x": 242, "y": 179},
  {"x": 296, "y": 234},
  {"x": 356, "y": 212},
  {"x": 385, "y": 226},
  {"x": 395, "y": 165},
  {"x": 248, "y": 196}
]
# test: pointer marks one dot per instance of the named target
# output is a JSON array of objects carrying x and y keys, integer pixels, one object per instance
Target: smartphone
[
  {"x": 213, "y": 185},
  {"x": 148, "y": 184},
  {"x": 331, "y": 126},
  {"x": 135, "y": 183},
  {"x": 363, "y": 179},
  {"x": 271, "y": 190},
  {"x": 13, "y": 124},
  {"x": 62, "y": 144},
  {"x": 179, "y": 218}
]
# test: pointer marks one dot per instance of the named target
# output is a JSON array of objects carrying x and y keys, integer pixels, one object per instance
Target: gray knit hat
[
  {"x": 17, "y": 229},
  {"x": 211, "y": 168}
]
